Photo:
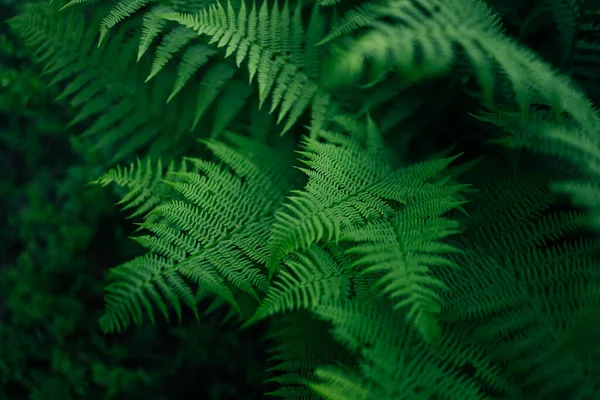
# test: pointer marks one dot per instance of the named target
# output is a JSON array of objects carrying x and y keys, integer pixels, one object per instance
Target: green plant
[{"x": 392, "y": 267}]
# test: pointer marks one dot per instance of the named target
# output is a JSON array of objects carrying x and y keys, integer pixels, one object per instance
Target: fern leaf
[
  {"x": 403, "y": 251},
  {"x": 151, "y": 28},
  {"x": 193, "y": 59},
  {"x": 210, "y": 87},
  {"x": 144, "y": 184},
  {"x": 122, "y": 10},
  {"x": 171, "y": 43},
  {"x": 308, "y": 279},
  {"x": 125, "y": 114},
  {"x": 338, "y": 197},
  {"x": 213, "y": 236},
  {"x": 271, "y": 41}
]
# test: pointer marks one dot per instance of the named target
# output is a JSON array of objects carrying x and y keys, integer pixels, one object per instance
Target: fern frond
[
  {"x": 144, "y": 183},
  {"x": 122, "y": 10},
  {"x": 403, "y": 250},
  {"x": 307, "y": 279},
  {"x": 301, "y": 345},
  {"x": 348, "y": 185},
  {"x": 356, "y": 18},
  {"x": 192, "y": 60},
  {"x": 171, "y": 43},
  {"x": 151, "y": 28},
  {"x": 397, "y": 363},
  {"x": 105, "y": 84},
  {"x": 231, "y": 103},
  {"x": 72, "y": 3},
  {"x": 215, "y": 236},
  {"x": 578, "y": 144},
  {"x": 420, "y": 44},
  {"x": 516, "y": 292},
  {"x": 278, "y": 53}
]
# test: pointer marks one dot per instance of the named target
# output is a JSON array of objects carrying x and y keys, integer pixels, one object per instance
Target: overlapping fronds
[
  {"x": 279, "y": 51},
  {"x": 104, "y": 84},
  {"x": 214, "y": 237},
  {"x": 349, "y": 185}
]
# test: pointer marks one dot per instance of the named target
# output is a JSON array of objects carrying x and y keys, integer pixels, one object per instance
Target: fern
[
  {"x": 301, "y": 344},
  {"x": 578, "y": 144},
  {"x": 278, "y": 52},
  {"x": 348, "y": 185},
  {"x": 517, "y": 309},
  {"x": 144, "y": 183},
  {"x": 420, "y": 45},
  {"x": 380, "y": 274},
  {"x": 395, "y": 362},
  {"x": 103, "y": 84},
  {"x": 194, "y": 241},
  {"x": 309, "y": 279},
  {"x": 403, "y": 250}
]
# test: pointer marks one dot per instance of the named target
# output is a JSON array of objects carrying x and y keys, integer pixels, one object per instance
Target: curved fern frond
[
  {"x": 171, "y": 43},
  {"x": 403, "y": 251},
  {"x": 192, "y": 60},
  {"x": 72, "y": 3},
  {"x": 144, "y": 183},
  {"x": 421, "y": 43},
  {"x": 520, "y": 293},
  {"x": 151, "y": 28},
  {"x": 308, "y": 279},
  {"x": 122, "y": 10},
  {"x": 302, "y": 343},
  {"x": 105, "y": 85},
  {"x": 283, "y": 57},
  {"x": 396, "y": 363},
  {"x": 215, "y": 236},
  {"x": 348, "y": 185},
  {"x": 565, "y": 138}
]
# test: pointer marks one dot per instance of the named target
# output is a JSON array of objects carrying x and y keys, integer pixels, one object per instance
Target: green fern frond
[
  {"x": 517, "y": 292},
  {"x": 348, "y": 185},
  {"x": 105, "y": 84},
  {"x": 215, "y": 236},
  {"x": 171, "y": 43},
  {"x": 420, "y": 44},
  {"x": 337, "y": 384},
  {"x": 302, "y": 343},
  {"x": 122, "y": 10},
  {"x": 192, "y": 60},
  {"x": 307, "y": 279},
  {"x": 151, "y": 28},
  {"x": 144, "y": 183},
  {"x": 229, "y": 106},
  {"x": 397, "y": 363},
  {"x": 403, "y": 251},
  {"x": 578, "y": 144},
  {"x": 142, "y": 282},
  {"x": 585, "y": 194},
  {"x": 72, "y": 3},
  {"x": 278, "y": 52},
  {"x": 359, "y": 17},
  {"x": 210, "y": 87}
]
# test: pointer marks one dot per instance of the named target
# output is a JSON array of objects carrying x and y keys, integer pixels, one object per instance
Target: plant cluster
[{"x": 406, "y": 192}]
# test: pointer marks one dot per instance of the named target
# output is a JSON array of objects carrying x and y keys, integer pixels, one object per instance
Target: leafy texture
[
  {"x": 103, "y": 84},
  {"x": 195, "y": 242},
  {"x": 277, "y": 50},
  {"x": 144, "y": 184},
  {"x": 385, "y": 270},
  {"x": 348, "y": 186}
]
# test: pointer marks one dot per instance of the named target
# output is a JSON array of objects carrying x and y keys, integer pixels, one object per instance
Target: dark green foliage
[{"x": 440, "y": 240}]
